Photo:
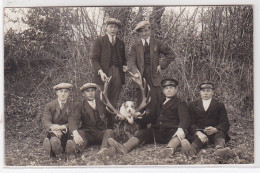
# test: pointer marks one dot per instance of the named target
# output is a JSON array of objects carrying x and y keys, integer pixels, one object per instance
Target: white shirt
[
  {"x": 167, "y": 99},
  {"x": 206, "y": 103},
  {"x": 110, "y": 38},
  {"x": 61, "y": 103},
  {"x": 143, "y": 41},
  {"x": 92, "y": 103}
]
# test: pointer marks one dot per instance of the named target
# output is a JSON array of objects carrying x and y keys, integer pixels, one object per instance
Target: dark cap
[
  {"x": 63, "y": 86},
  {"x": 141, "y": 25},
  {"x": 169, "y": 82},
  {"x": 88, "y": 85},
  {"x": 113, "y": 21},
  {"x": 206, "y": 85}
]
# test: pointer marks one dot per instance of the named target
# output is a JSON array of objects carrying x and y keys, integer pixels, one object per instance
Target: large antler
[
  {"x": 145, "y": 97},
  {"x": 103, "y": 97}
]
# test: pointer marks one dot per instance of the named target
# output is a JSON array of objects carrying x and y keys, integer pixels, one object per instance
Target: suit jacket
[
  {"x": 101, "y": 56},
  {"x": 156, "y": 48},
  {"x": 215, "y": 116},
  {"x": 83, "y": 113},
  {"x": 174, "y": 114},
  {"x": 54, "y": 115}
]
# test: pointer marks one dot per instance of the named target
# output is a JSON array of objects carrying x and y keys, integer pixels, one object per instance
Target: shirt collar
[
  {"x": 143, "y": 40},
  {"x": 207, "y": 101},
  {"x": 61, "y": 102},
  {"x": 93, "y": 101},
  {"x": 110, "y": 37}
]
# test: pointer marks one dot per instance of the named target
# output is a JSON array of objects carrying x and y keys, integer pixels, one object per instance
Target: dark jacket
[
  {"x": 174, "y": 114},
  {"x": 83, "y": 114},
  {"x": 101, "y": 57},
  {"x": 156, "y": 48},
  {"x": 215, "y": 116},
  {"x": 54, "y": 115}
]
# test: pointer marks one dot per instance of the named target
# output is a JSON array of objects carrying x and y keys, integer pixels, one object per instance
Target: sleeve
[
  {"x": 133, "y": 60},
  {"x": 168, "y": 53},
  {"x": 47, "y": 117},
  {"x": 74, "y": 118},
  {"x": 123, "y": 55},
  {"x": 184, "y": 117},
  {"x": 193, "y": 128},
  {"x": 223, "y": 119},
  {"x": 96, "y": 56}
]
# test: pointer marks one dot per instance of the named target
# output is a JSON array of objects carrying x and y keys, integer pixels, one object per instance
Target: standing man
[
  {"x": 93, "y": 130},
  {"x": 55, "y": 121},
  {"x": 170, "y": 126},
  {"x": 210, "y": 123},
  {"x": 108, "y": 59},
  {"x": 145, "y": 57}
]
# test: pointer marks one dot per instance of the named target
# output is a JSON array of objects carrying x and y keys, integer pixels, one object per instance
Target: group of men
[{"x": 71, "y": 127}]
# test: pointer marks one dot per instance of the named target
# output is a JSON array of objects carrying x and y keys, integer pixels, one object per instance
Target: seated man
[
  {"x": 93, "y": 130},
  {"x": 170, "y": 125},
  {"x": 55, "y": 121},
  {"x": 210, "y": 123}
]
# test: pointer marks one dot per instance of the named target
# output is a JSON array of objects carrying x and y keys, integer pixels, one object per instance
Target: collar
[
  {"x": 143, "y": 41},
  {"x": 110, "y": 37},
  {"x": 206, "y": 101},
  {"x": 61, "y": 102},
  {"x": 92, "y": 102}
]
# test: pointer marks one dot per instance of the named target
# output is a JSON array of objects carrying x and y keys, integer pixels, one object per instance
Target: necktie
[
  {"x": 146, "y": 43},
  {"x": 62, "y": 105},
  {"x": 113, "y": 40}
]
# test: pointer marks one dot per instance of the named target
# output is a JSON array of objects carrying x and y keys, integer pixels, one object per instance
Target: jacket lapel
[
  {"x": 168, "y": 104},
  {"x": 211, "y": 107},
  {"x": 200, "y": 105},
  {"x": 89, "y": 110},
  {"x": 58, "y": 110}
]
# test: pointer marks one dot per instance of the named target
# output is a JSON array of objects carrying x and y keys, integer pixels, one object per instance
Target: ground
[{"x": 23, "y": 147}]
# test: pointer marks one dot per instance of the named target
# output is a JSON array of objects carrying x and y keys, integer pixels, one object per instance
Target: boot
[
  {"x": 170, "y": 148},
  {"x": 104, "y": 152},
  {"x": 126, "y": 147},
  {"x": 47, "y": 148},
  {"x": 224, "y": 153},
  {"x": 187, "y": 149},
  {"x": 56, "y": 146}
]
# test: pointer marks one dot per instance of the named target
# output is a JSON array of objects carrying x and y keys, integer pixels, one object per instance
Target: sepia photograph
[{"x": 128, "y": 85}]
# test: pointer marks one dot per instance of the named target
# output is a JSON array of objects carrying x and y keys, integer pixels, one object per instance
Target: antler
[
  {"x": 145, "y": 98},
  {"x": 103, "y": 97}
]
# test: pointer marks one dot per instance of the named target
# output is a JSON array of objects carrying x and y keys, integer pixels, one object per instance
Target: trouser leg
[
  {"x": 219, "y": 140},
  {"x": 101, "y": 137}
]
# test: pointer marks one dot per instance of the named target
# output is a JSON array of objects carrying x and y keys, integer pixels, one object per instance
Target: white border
[{"x": 237, "y": 168}]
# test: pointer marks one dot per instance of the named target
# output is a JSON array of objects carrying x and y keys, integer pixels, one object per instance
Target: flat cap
[
  {"x": 141, "y": 25},
  {"x": 169, "y": 82},
  {"x": 206, "y": 85},
  {"x": 63, "y": 86},
  {"x": 88, "y": 85},
  {"x": 113, "y": 21}
]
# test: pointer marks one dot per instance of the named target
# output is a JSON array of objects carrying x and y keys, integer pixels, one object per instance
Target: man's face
[
  {"x": 63, "y": 94},
  {"x": 89, "y": 94},
  {"x": 112, "y": 29},
  {"x": 145, "y": 32},
  {"x": 206, "y": 93},
  {"x": 169, "y": 91}
]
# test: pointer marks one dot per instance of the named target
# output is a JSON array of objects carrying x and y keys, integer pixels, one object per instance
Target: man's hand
[
  {"x": 180, "y": 133},
  {"x": 136, "y": 75},
  {"x": 77, "y": 138},
  {"x": 58, "y": 133},
  {"x": 159, "y": 70},
  {"x": 202, "y": 137},
  {"x": 55, "y": 127},
  {"x": 125, "y": 68},
  {"x": 210, "y": 130},
  {"x": 103, "y": 76}
]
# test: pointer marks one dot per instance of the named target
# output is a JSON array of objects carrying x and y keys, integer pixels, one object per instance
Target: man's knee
[{"x": 220, "y": 134}]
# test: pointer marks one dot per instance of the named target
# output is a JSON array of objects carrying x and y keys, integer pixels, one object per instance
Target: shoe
[
  {"x": 118, "y": 147},
  {"x": 70, "y": 147},
  {"x": 187, "y": 149},
  {"x": 166, "y": 152},
  {"x": 224, "y": 153},
  {"x": 104, "y": 152},
  {"x": 56, "y": 146},
  {"x": 47, "y": 147}
]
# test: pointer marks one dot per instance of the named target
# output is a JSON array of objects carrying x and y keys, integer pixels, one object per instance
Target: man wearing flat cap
[
  {"x": 108, "y": 59},
  {"x": 170, "y": 127},
  {"x": 210, "y": 123},
  {"x": 55, "y": 121},
  {"x": 93, "y": 130},
  {"x": 145, "y": 58}
]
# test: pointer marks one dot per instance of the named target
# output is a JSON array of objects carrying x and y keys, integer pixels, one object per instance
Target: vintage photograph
[{"x": 128, "y": 85}]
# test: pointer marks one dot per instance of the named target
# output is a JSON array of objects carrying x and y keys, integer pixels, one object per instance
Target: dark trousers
[
  {"x": 113, "y": 93},
  {"x": 98, "y": 137},
  {"x": 155, "y": 93},
  {"x": 217, "y": 139},
  {"x": 160, "y": 135},
  {"x": 64, "y": 138}
]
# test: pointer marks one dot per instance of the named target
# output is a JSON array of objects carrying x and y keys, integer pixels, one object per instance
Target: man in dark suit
[
  {"x": 170, "y": 126},
  {"x": 145, "y": 55},
  {"x": 210, "y": 123},
  {"x": 55, "y": 121},
  {"x": 108, "y": 59},
  {"x": 90, "y": 113}
]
